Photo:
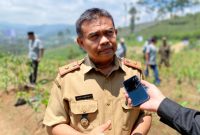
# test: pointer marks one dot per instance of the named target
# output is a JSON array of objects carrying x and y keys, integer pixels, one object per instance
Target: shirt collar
[{"x": 89, "y": 65}]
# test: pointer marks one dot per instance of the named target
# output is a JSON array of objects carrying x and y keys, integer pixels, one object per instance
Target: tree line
[{"x": 162, "y": 7}]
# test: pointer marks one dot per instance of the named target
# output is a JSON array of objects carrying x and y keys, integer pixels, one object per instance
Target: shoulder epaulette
[
  {"x": 134, "y": 64},
  {"x": 70, "y": 67}
]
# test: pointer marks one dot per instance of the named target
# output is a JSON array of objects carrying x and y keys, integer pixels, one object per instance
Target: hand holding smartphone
[{"x": 136, "y": 91}]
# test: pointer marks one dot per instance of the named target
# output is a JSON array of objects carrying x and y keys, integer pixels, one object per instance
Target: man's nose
[{"x": 104, "y": 40}]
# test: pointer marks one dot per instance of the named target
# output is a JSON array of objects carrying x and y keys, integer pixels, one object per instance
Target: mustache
[{"x": 106, "y": 46}]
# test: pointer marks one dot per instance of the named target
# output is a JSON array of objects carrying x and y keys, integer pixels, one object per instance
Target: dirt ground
[{"x": 21, "y": 120}]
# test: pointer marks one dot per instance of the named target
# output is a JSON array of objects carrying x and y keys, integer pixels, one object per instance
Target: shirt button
[{"x": 84, "y": 122}]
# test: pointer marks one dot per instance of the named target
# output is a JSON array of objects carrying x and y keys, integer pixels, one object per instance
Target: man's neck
[{"x": 105, "y": 67}]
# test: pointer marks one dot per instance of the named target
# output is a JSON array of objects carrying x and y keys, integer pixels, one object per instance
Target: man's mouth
[{"x": 106, "y": 50}]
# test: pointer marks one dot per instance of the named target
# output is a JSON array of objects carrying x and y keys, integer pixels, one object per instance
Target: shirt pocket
[
  {"x": 130, "y": 116},
  {"x": 83, "y": 115}
]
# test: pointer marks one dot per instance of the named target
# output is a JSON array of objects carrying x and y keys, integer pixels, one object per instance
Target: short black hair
[
  {"x": 154, "y": 39},
  {"x": 91, "y": 14},
  {"x": 30, "y": 33}
]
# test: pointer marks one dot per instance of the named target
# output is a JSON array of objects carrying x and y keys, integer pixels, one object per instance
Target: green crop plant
[
  {"x": 4, "y": 74},
  {"x": 184, "y": 103},
  {"x": 198, "y": 88},
  {"x": 13, "y": 71},
  {"x": 185, "y": 65}
]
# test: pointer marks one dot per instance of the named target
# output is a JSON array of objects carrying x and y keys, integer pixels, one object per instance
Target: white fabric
[{"x": 34, "y": 48}]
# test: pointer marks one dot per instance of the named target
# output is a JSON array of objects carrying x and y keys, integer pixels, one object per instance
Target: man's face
[
  {"x": 31, "y": 37},
  {"x": 99, "y": 39}
]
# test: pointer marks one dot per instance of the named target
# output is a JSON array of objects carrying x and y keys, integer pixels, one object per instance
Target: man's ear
[
  {"x": 116, "y": 31},
  {"x": 80, "y": 42}
]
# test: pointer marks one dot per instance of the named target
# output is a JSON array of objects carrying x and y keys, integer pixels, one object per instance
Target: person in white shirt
[
  {"x": 121, "y": 49},
  {"x": 151, "y": 54},
  {"x": 36, "y": 51}
]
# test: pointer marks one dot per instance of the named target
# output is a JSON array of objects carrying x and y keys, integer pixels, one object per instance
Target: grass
[{"x": 68, "y": 52}]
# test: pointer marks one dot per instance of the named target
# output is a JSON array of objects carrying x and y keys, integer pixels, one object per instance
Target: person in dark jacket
[{"x": 185, "y": 120}]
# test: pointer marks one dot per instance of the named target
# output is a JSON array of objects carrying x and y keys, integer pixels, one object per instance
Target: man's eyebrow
[
  {"x": 103, "y": 30},
  {"x": 93, "y": 33},
  {"x": 111, "y": 28}
]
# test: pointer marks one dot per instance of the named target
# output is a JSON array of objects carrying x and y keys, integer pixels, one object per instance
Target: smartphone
[{"x": 136, "y": 91}]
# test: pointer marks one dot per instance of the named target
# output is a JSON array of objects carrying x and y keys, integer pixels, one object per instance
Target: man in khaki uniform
[
  {"x": 164, "y": 52},
  {"x": 88, "y": 95}
]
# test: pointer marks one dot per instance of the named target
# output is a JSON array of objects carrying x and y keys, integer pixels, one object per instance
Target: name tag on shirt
[{"x": 84, "y": 97}]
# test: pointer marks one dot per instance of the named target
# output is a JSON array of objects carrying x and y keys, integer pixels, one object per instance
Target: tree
[
  {"x": 132, "y": 12},
  {"x": 60, "y": 35},
  {"x": 68, "y": 32},
  {"x": 167, "y": 6}
]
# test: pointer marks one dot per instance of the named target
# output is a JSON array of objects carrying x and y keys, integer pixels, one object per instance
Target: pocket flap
[{"x": 84, "y": 106}]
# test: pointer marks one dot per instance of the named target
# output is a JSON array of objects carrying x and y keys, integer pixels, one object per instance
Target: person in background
[
  {"x": 121, "y": 49},
  {"x": 87, "y": 96},
  {"x": 146, "y": 71},
  {"x": 151, "y": 54},
  {"x": 36, "y": 51},
  {"x": 185, "y": 120},
  {"x": 35, "y": 54},
  {"x": 164, "y": 52}
]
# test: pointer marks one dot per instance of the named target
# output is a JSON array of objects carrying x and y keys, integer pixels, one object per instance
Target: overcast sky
[{"x": 64, "y": 11}]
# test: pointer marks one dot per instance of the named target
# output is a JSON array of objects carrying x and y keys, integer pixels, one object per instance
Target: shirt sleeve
[
  {"x": 147, "y": 49},
  {"x": 186, "y": 121},
  {"x": 56, "y": 111},
  {"x": 40, "y": 45}
]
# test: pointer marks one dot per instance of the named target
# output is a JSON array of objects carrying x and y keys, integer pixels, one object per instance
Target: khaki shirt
[
  {"x": 164, "y": 52},
  {"x": 84, "y": 98}
]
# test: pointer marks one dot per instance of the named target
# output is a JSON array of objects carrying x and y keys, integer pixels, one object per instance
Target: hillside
[
  {"x": 45, "y": 30},
  {"x": 13, "y": 37},
  {"x": 178, "y": 28}
]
